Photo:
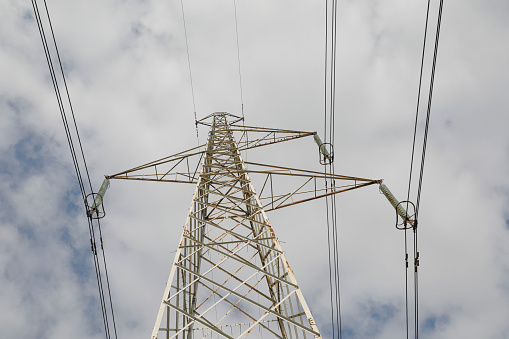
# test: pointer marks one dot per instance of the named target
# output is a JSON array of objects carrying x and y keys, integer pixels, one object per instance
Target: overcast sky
[{"x": 127, "y": 71}]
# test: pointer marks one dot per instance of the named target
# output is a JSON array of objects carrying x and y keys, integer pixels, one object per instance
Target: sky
[{"x": 127, "y": 71}]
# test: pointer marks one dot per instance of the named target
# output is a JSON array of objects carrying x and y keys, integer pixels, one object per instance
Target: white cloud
[{"x": 126, "y": 67}]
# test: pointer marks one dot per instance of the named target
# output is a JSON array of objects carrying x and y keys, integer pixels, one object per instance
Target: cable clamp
[
  {"x": 325, "y": 150},
  {"x": 416, "y": 262},
  {"x": 410, "y": 220},
  {"x": 97, "y": 209}
]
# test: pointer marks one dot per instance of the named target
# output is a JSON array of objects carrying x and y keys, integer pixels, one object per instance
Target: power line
[
  {"x": 421, "y": 172},
  {"x": 238, "y": 58},
  {"x": 240, "y": 73},
  {"x": 329, "y": 135},
  {"x": 76, "y": 162},
  {"x": 430, "y": 97},
  {"x": 326, "y": 63},
  {"x": 412, "y": 162},
  {"x": 329, "y": 259},
  {"x": 189, "y": 67}
]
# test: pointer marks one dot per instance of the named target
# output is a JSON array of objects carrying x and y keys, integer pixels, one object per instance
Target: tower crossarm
[
  {"x": 183, "y": 167},
  {"x": 282, "y": 186},
  {"x": 310, "y": 185}
]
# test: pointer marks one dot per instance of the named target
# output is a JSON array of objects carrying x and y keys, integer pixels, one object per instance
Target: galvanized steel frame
[{"x": 226, "y": 220}]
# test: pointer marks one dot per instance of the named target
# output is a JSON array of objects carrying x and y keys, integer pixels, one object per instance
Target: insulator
[
  {"x": 102, "y": 192},
  {"x": 328, "y": 157},
  {"x": 98, "y": 200},
  {"x": 394, "y": 202}
]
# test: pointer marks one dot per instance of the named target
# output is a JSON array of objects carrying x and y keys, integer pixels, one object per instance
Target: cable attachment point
[
  {"x": 408, "y": 222},
  {"x": 97, "y": 209},
  {"x": 325, "y": 151}
]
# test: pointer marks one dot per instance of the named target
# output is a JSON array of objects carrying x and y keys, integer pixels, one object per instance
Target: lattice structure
[{"x": 230, "y": 277}]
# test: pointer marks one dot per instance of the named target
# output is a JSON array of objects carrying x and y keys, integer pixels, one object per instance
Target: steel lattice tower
[
  {"x": 230, "y": 277},
  {"x": 229, "y": 268}
]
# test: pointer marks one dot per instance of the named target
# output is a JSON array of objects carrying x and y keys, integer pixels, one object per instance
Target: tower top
[{"x": 205, "y": 121}]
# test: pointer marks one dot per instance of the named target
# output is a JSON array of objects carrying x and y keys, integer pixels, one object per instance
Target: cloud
[{"x": 128, "y": 77}]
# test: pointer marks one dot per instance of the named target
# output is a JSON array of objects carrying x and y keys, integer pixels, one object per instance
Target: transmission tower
[{"x": 230, "y": 277}]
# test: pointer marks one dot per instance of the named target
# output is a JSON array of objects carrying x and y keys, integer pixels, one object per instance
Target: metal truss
[
  {"x": 230, "y": 277},
  {"x": 305, "y": 185}
]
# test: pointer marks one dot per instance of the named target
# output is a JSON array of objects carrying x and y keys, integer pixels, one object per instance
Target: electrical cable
[
  {"x": 329, "y": 257},
  {"x": 84, "y": 163},
  {"x": 430, "y": 97},
  {"x": 75, "y": 159},
  {"x": 423, "y": 155},
  {"x": 190, "y": 73},
  {"x": 418, "y": 103},
  {"x": 333, "y": 72},
  {"x": 326, "y": 63},
  {"x": 238, "y": 58},
  {"x": 332, "y": 167},
  {"x": 240, "y": 74},
  {"x": 69, "y": 139},
  {"x": 338, "y": 281},
  {"x": 107, "y": 277},
  {"x": 325, "y": 75},
  {"x": 329, "y": 135},
  {"x": 421, "y": 174},
  {"x": 412, "y": 160}
]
